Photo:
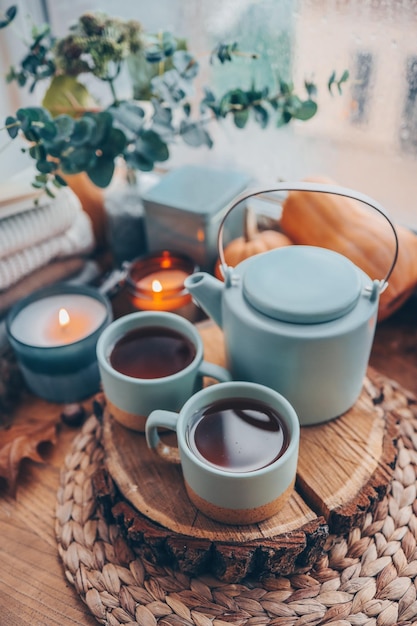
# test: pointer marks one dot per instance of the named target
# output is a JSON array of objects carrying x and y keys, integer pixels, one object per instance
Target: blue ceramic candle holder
[{"x": 58, "y": 360}]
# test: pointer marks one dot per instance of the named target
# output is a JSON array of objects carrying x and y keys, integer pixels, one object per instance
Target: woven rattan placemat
[{"x": 367, "y": 578}]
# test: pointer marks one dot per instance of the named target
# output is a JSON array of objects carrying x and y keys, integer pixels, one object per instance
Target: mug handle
[
  {"x": 215, "y": 371},
  {"x": 162, "y": 419}
]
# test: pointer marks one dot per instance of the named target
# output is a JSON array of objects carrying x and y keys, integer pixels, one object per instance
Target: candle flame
[
  {"x": 64, "y": 318},
  {"x": 156, "y": 286},
  {"x": 166, "y": 259}
]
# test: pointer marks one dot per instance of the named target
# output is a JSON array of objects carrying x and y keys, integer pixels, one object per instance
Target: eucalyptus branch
[
  {"x": 91, "y": 142},
  {"x": 224, "y": 52}
]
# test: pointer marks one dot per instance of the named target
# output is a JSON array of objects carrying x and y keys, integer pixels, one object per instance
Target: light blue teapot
[{"x": 298, "y": 319}]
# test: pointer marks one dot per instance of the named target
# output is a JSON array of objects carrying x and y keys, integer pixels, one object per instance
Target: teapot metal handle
[{"x": 320, "y": 188}]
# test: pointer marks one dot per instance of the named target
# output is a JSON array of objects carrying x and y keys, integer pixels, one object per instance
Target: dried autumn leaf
[{"x": 20, "y": 442}]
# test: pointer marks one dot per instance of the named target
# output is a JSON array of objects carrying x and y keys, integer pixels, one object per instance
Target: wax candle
[
  {"x": 55, "y": 320},
  {"x": 156, "y": 281},
  {"x": 54, "y": 334}
]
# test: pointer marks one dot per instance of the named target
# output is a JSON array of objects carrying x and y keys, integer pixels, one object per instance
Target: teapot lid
[{"x": 302, "y": 284}]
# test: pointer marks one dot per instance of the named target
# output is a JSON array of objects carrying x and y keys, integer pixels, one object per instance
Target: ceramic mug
[
  {"x": 238, "y": 448},
  {"x": 131, "y": 395}
]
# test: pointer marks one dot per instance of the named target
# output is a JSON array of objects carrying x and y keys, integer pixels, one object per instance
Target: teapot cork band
[{"x": 319, "y": 188}]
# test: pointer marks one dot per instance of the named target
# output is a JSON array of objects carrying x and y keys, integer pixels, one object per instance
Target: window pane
[{"x": 365, "y": 137}]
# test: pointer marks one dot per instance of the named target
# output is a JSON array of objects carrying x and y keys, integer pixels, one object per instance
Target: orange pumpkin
[
  {"x": 362, "y": 235},
  {"x": 252, "y": 242}
]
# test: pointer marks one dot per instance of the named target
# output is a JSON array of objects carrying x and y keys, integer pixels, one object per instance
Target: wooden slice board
[{"x": 344, "y": 469}]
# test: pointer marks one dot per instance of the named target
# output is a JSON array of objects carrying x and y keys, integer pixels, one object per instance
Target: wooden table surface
[{"x": 33, "y": 587}]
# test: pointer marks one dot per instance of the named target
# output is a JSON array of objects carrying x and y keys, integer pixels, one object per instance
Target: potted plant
[
  {"x": 70, "y": 133},
  {"x": 76, "y": 141}
]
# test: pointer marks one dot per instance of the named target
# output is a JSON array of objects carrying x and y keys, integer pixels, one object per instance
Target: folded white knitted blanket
[
  {"x": 29, "y": 228},
  {"x": 31, "y": 239}
]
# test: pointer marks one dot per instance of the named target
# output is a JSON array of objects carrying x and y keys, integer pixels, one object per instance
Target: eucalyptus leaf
[
  {"x": 48, "y": 131},
  {"x": 139, "y": 161},
  {"x": 39, "y": 34},
  {"x": 101, "y": 172},
  {"x": 44, "y": 166},
  {"x": 255, "y": 95},
  {"x": 150, "y": 144},
  {"x": 103, "y": 124},
  {"x": 49, "y": 192},
  {"x": 292, "y": 104},
  {"x": 130, "y": 107},
  {"x": 240, "y": 118},
  {"x": 223, "y": 52},
  {"x": 232, "y": 100},
  {"x": 331, "y": 81},
  {"x": 19, "y": 77},
  {"x": 169, "y": 43},
  {"x": 285, "y": 88},
  {"x": 209, "y": 102},
  {"x": 83, "y": 158},
  {"x": 114, "y": 143},
  {"x": 32, "y": 134},
  {"x": 27, "y": 116},
  {"x": 38, "y": 152},
  {"x": 56, "y": 147},
  {"x": 186, "y": 64},
  {"x": 305, "y": 111},
  {"x": 261, "y": 115},
  {"x": 195, "y": 135},
  {"x": 170, "y": 87},
  {"x": 162, "y": 122},
  {"x": 344, "y": 77},
  {"x": 284, "y": 117},
  {"x": 154, "y": 54},
  {"x": 129, "y": 116},
  {"x": 209, "y": 97},
  {"x": 342, "y": 80},
  {"x": 67, "y": 166},
  {"x": 64, "y": 126},
  {"x": 162, "y": 114},
  {"x": 39, "y": 50},
  {"x": 159, "y": 47},
  {"x": 60, "y": 181},
  {"x": 12, "y": 126},
  {"x": 41, "y": 178},
  {"x": 56, "y": 182},
  {"x": 83, "y": 131},
  {"x": 311, "y": 88},
  {"x": 30, "y": 63},
  {"x": 9, "y": 16}
]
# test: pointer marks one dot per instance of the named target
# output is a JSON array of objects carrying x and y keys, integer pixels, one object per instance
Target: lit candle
[
  {"x": 54, "y": 334},
  {"x": 156, "y": 281},
  {"x": 56, "y": 320}
]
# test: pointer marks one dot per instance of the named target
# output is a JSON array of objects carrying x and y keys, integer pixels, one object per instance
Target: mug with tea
[
  {"x": 238, "y": 448},
  {"x": 151, "y": 360}
]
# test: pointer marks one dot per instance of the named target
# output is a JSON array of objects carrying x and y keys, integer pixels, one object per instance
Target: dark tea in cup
[
  {"x": 237, "y": 443},
  {"x": 152, "y": 352},
  {"x": 238, "y": 434},
  {"x": 151, "y": 360}
]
